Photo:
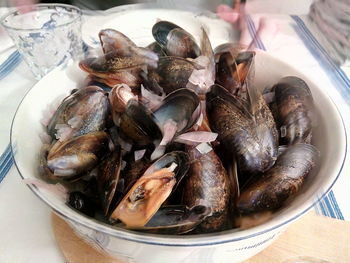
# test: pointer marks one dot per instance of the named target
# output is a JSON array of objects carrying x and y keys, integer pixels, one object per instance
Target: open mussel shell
[
  {"x": 144, "y": 198},
  {"x": 281, "y": 182},
  {"x": 175, "y": 40},
  {"x": 232, "y": 72},
  {"x": 151, "y": 190},
  {"x": 179, "y": 106},
  {"x": 137, "y": 123},
  {"x": 108, "y": 178},
  {"x": 179, "y": 158},
  {"x": 82, "y": 112},
  {"x": 176, "y": 219},
  {"x": 77, "y": 155}
]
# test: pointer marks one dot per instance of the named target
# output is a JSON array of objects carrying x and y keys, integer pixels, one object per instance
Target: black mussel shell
[
  {"x": 181, "y": 159},
  {"x": 295, "y": 110},
  {"x": 85, "y": 111},
  {"x": 171, "y": 74},
  {"x": 180, "y": 107},
  {"x": 176, "y": 219},
  {"x": 82, "y": 203},
  {"x": 281, "y": 182},
  {"x": 175, "y": 40},
  {"x": 78, "y": 155},
  {"x": 108, "y": 178},
  {"x": 137, "y": 123}
]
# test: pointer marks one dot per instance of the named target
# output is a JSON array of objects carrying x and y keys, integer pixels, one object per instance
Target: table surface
[{"x": 25, "y": 226}]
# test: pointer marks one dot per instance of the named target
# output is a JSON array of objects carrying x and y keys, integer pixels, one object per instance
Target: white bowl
[{"x": 228, "y": 246}]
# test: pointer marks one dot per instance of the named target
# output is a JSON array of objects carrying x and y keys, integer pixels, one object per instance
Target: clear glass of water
[{"x": 46, "y": 35}]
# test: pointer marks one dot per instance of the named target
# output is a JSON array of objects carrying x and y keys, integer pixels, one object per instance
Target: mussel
[
  {"x": 84, "y": 111},
  {"x": 178, "y": 112},
  {"x": 175, "y": 40},
  {"x": 295, "y": 110},
  {"x": 281, "y": 182},
  {"x": 172, "y": 73},
  {"x": 77, "y": 155},
  {"x": 248, "y": 131},
  {"x": 150, "y": 191},
  {"x": 137, "y": 123},
  {"x": 176, "y": 219},
  {"x": 122, "y": 60},
  {"x": 108, "y": 178},
  {"x": 156, "y": 48},
  {"x": 208, "y": 184},
  {"x": 232, "y": 71},
  {"x": 119, "y": 97}
]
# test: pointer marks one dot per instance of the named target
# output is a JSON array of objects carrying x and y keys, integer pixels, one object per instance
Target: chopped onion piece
[
  {"x": 172, "y": 167},
  {"x": 139, "y": 154},
  {"x": 196, "y": 137},
  {"x": 204, "y": 148}
]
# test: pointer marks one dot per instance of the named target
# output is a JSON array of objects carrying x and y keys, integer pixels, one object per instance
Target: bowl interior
[{"x": 329, "y": 138}]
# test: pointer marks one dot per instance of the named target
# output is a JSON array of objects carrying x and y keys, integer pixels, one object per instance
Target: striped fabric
[
  {"x": 6, "y": 68},
  {"x": 10, "y": 64},
  {"x": 6, "y": 162},
  {"x": 328, "y": 206}
]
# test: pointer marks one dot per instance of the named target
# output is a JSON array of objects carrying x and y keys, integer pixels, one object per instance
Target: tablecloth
[{"x": 26, "y": 234}]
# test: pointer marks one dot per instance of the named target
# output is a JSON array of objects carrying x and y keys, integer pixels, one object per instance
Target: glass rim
[{"x": 37, "y": 7}]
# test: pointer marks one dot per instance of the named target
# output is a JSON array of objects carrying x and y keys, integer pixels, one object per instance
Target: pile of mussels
[{"x": 175, "y": 138}]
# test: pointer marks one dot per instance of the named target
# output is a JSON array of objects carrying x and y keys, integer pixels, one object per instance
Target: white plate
[{"x": 137, "y": 24}]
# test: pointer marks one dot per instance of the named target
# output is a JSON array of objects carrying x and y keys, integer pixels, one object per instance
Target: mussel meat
[{"x": 150, "y": 191}]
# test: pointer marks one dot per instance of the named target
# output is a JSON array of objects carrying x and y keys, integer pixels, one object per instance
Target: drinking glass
[{"x": 46, "y": 35}]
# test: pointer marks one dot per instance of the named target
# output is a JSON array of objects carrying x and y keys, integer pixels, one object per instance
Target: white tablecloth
[{"x": 25, "y": 228}]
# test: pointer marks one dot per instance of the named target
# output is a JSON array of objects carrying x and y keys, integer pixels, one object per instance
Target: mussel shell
[
  {"x": 180, "y": 107},
  {"x": 175, "y": 40},
  {"x": 295, "y": 109},
  {"x": 156, "y": 48},
  {"x": 82, "y": 203},
  {"x": 176, "y": 219},
  {"x": 251, "y": 138},
  {"x": 181, "y": 159},
  {"x": 108, "y": 178},
  {"x": 137, "y": 123},
  {"x": 78, "y": 155},
  {"x": 208, "y": 184},
  {"x": 145, "y": 198},
  {"x": 281, "y": 182},
  {"x": 115, "y": 43},
  {"x": 232, "y": 72},
  {"x": 171, "y": 74},
  {"x": 89, "y": 104}
]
